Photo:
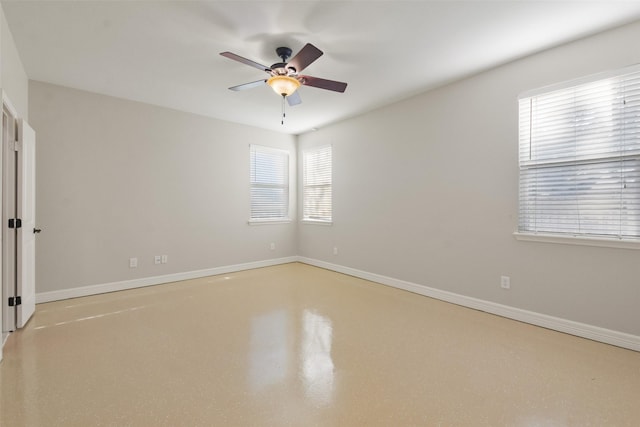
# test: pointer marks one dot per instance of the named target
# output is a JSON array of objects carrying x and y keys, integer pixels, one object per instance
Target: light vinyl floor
[{"x": 295, "y": 345}]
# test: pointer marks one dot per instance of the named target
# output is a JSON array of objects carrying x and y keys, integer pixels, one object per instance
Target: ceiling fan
[{"x": 284, "y": 76}]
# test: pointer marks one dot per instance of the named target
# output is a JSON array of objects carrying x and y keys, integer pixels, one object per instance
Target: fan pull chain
[{"x": 283, "y": 113}]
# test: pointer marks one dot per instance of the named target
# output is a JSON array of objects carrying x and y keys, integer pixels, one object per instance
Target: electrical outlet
[
  {"x": 505, "y": 282},
  {"x": 165, "y": 259},
  {"x": 157, "y": 259},
  {"x": 272, "y": 246},
  {"x": 335, "y": 250},
  {"x": 133, "y": 262}
]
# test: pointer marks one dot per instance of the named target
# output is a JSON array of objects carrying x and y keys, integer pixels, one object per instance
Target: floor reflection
[
  {"x": 317, "y": 365},
  {"x": 268, "y": 355},
  {"x": 272, "y": 347}
]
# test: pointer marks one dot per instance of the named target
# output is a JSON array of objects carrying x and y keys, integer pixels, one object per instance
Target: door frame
[{"x": 5, "y": 291}]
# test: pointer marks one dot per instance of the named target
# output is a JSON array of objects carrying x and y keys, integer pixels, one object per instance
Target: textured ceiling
[{"x": 167, "y": 53}]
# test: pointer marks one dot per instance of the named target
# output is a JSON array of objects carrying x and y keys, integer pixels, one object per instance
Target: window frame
[
  {"x": 287, "y": 185},
  {"x": 569, "y": 237},
  {"x": 304, "y": 218}
]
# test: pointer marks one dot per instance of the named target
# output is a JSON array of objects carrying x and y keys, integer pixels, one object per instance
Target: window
[
  {"x": 269, "y": 184},
  {"x": 316, "y": 192},
  {"x": 580, "y": 158}
]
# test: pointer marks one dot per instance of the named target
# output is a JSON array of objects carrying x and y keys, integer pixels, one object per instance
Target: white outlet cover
[{"x": 505, "y": 282}]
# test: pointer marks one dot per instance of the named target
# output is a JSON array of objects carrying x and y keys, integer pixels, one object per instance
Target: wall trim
[
  {"x": 155, "y": 280},
  {"x": 607, "y": 336}
]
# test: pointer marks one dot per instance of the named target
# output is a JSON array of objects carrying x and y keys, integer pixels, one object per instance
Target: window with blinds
[
  {"x": 316, "y": 192},
  {"x": 269, "y": 184},
  {"x": 580, "y": 158}
]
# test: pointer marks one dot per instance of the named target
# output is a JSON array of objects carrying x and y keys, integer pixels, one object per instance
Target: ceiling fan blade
[
  {"x": 294, "y": 99},
  {"x": 245, "y": 61},
  {"x": 323, "y": 83},
  {"x": 248, "y": 85},
  {"x": 306, "y": 56}
]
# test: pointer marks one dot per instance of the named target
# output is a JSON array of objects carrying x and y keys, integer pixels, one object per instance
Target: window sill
[
  {"x": 269, "y": 221},
  {"x": 314, "y": 222},
  {"x": 578, "y": 240}
]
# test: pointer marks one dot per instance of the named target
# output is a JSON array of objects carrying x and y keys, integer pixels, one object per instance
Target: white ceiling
[{"x": 167, "y": 53}]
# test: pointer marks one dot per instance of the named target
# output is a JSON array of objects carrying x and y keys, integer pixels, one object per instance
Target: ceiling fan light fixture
[{"x": 283, "y": 85}]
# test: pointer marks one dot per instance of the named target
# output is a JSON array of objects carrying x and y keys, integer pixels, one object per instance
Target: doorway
[{"x": 18, "y": 220}]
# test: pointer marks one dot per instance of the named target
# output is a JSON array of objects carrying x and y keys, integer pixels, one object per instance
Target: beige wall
[
  {"x": 119, "y": 179},
  {"x": 13, "y": 78},
  {"x": 426, "y": 191}
]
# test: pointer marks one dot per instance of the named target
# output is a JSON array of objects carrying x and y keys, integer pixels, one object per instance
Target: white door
[{"x": 26, "y": 266}]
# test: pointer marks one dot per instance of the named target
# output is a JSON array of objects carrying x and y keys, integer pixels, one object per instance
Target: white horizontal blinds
[
  {"x": 317, "y": 184},
  {"x": 580, "y": 159},
  {"x": 269, "y": 183}
]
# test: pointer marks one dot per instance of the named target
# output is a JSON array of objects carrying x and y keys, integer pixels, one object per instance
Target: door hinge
[
  {"x": 15, "y": 223},
  {"x": 13, "y": 301},
  {"x": 16, "y": 145}
]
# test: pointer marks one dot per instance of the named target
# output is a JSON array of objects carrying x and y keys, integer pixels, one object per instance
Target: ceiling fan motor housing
[{"x": 280, "y": 69}]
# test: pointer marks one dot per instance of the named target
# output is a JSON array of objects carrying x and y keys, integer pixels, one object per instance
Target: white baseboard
[
  {"x": 155, "y": 280},
  {"x": 583, "y": 330}
]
